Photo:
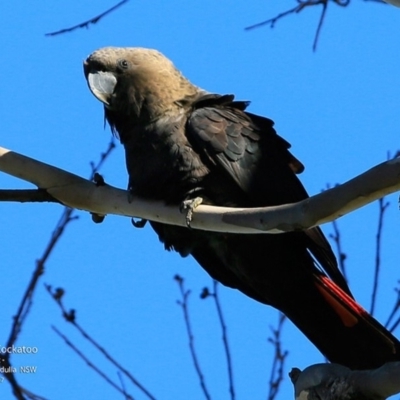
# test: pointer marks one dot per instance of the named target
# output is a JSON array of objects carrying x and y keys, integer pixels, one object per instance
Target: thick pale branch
[
  {"x": 326, "y": 206},
  {"x": 333, "y": 381},
  {"x": 77, "y": 192}
]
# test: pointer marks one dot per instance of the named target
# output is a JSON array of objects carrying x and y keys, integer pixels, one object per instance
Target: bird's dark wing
[
  {"x": 247, "y": 150},
  {"x": 253, "y": 164}
]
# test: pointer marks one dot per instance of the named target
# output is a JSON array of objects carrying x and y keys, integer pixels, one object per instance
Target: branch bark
[
  {"x": 76, "y": 192},
  {"x": 333, "y": 381}
]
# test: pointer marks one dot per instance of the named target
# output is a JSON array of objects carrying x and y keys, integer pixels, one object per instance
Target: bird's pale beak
[{"x": 102, "y": 85}]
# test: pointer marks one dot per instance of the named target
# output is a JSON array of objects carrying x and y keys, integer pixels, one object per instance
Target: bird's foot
[
  {"x": 189, "y": 206},
  {"x": 99, "y": 181},
  {"x": 140, "y": 223},
  {"x": 97, "y": 218}
]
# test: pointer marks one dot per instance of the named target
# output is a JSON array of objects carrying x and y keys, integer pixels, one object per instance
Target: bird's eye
[{"x": 123, "y": 64}]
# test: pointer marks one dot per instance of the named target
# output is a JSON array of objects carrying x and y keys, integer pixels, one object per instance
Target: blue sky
[{"x": 338, "y": 107}]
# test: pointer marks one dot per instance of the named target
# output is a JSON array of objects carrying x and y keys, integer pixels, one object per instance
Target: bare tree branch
[
  {"x": 184, "y": 305},
  {"x": 396, "y": 308},
  {"x": 272, "y": 21},
  {"x": 383, "y": 205},
  {"x": 224, "y": 340},
  {"x": 70, "y": 316},
  {"x": 27, "y": 299},
  {"x": 331, "y": 204},
  {"x": 320, "y": 23},
  {"x": 301, "y": 5},
  {"x": 103, "y": 157},
  {"x": 206, "y": 293},
  {"x": 90, "y": 364},
  {"x": 30, "y": 395},
  {"x": 276, "y": 376},
  {"x": 333, "y": 381},
  {"x": 341, "y": 256},
  {"x": 86, "y": 24}
]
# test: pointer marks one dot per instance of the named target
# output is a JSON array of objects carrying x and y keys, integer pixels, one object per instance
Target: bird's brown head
[{"x": 135, "y": 82}]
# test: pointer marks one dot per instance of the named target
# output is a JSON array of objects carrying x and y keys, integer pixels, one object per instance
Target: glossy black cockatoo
[{"x": 182, "y": 142}]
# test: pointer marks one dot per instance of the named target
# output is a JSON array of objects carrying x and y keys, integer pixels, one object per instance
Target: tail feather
[
  {"x": 349, "y": 335},
  {"x": 261, "y": 267},
  {"x": 351, "y": 313}
]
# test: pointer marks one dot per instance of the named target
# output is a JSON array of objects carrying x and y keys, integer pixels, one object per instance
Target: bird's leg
[
  {"x": 189, "y": 206},
  {"x": 99, "y": 181},
  {"x": 140, "y": 223}
]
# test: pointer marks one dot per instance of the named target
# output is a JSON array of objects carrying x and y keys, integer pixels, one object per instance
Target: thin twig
[
  {"x": 278, "y": 363},
  {"x": 320, "y": 23},
  {"x": 272, "y": 21},
  {"x": 395, "y": 325},
  {"x": 397, "y": 322},
  {"x": 215, "y": 296},
  {"x": 121, "y": 380},
  {"x": 396, "y": 308},
  {"x": 70, "y": 316},
  {"x": 224, "y": 340},
  {"x": 26, "y": 302},
  {"x": 30, "y": 395},
  {"x": 103, "y": 157},
  {"x": 27, "y": 299},
  {"x": 89, "y": 363},
  {"x": 16, "y": 389},
  {"x": 382, "y": 208},
  {"x": 86, "y": 24},
  {"x": 302, "y": 4},
  {"x": 336, "y": 237},
  {"x": 383, "y": 205},
  {"x": 184, "y": 304},
  {"x": 66, "y": 217}
]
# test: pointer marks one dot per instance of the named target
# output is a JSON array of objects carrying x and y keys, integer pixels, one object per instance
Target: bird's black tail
[
  {"x": 350, "y": 335},
  {"x": 278, "y": 270}
]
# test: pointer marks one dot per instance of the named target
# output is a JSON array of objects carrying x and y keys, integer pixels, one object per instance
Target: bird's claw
[
  {"x": 97, "y": 218},
  {"x": 189, "y": 206},
  {"x": 99, "y": 181},
  {"x": 140, "y": 223}
]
